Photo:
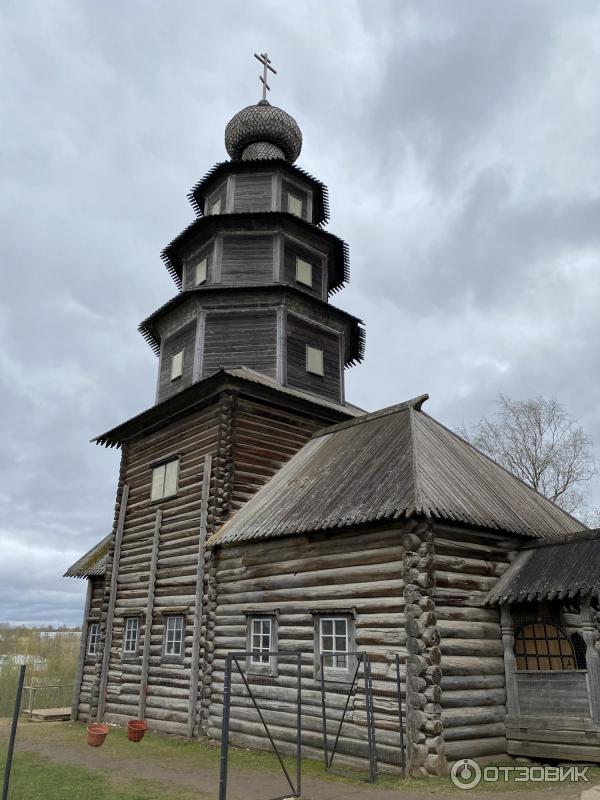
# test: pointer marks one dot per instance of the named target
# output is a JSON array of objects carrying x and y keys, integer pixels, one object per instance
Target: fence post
[
  {"x": 324, "y": 713},
  {"x": 13, "y": 732},
  {"x": 225, "y": 729},
  {"x": 299, "y": 730}
]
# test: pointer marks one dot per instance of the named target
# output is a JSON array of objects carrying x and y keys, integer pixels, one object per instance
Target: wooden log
[
  {"x": 143, "y": 687},
  {"x": 476, "y": 747},
  {"x": 111, "y": 605}
]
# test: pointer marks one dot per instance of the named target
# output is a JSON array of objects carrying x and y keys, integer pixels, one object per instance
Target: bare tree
[{"x": 539, "y": 442}]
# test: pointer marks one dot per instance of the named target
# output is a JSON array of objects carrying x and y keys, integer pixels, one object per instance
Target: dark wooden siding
[
  {"x": 182, "y": 340},
  {"x": 292, "y": 251},
  {"x": 244, "y": 338},
  {"x": 189, "y": 276},
  {"x": 253, "y": 193},
  {"x": 300, "y": 334},
  {"x": 89, "y": 664},
  {"x": 266, "y": 438},
  {"x": 290, "y": 188},
  {"x": 247, "y": 259}
]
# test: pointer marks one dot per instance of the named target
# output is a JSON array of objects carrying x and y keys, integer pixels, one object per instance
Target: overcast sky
[{"x": 461, "y": 145}]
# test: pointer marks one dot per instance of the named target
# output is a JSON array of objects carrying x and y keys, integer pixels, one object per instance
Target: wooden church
[{"x": 258, "y": 509}]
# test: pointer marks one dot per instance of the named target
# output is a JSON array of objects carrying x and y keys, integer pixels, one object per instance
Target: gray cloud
[{"x": 460, "y": 144}]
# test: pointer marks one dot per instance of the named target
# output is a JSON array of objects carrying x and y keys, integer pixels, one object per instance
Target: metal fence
[{"x": 340, "y": 707}]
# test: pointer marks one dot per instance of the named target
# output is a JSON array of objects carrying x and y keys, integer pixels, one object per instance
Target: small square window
[
  {"x": 177, "y": 365},
  {"x": 131, "y": 635},
  {"x": 93, "y": 639},
  {"x": 173, "y": 644},
  {"x": 216, "y": 207},
  {"x": 201, "y": 271},
  {"x": 304, "y": 272},
  {"x": 294, "y": 205},
  {"x": 164, "y": 480},
  {"x": 314, "y": 360}
]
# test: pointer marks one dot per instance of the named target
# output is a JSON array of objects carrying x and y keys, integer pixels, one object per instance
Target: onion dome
[{"x": 263, "y": 131}]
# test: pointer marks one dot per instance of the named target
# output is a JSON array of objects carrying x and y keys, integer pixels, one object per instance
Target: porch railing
[{"x": 50, "y": 695}]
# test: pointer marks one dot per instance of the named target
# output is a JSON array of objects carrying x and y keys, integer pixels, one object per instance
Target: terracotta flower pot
[
  {"x": 136, "y": 728},
  {"x": 96, "y": 734}
]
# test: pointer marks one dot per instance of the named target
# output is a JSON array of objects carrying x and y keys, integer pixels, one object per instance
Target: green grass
[{"x": 37, "y": 778}]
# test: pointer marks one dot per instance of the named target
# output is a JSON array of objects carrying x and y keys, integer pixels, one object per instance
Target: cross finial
[{"x": 266, "y": 62}]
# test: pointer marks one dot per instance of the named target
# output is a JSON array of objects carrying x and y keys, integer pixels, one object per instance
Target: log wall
[
  {"x": 297, "y": 577},
  {"x": 85, "y": 690},
  {"x": 467, "y": 565}
]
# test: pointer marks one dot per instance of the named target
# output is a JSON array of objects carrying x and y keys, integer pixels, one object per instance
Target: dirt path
[{"x": 159, "y": 761}]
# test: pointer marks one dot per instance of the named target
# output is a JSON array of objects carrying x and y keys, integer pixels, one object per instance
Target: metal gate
[{"x": 236, "y": 667}]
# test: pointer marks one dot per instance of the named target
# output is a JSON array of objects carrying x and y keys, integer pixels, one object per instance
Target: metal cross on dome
[{"x": 266, "y": 62}]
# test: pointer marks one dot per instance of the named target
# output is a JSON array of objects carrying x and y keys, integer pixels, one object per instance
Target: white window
[
  {"x": 216, "y": 207},
  {"x": 177, "y": 365},
  {"x": 334, "y": 642},
  {"x": 93, "y": 639},
  {"x": 174, "y": 636},
  {"x": 201, "y": 271},
  {"x": 314, "y": 360},
  {"x": 260, "y": 640},
  {"x": 130, "y": 638},
  {"x": 294, "y": 205},
  {"x": 164, "y": 480},
  {"x": 304, "y": 272}
]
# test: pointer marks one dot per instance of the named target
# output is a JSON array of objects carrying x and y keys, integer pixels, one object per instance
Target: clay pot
[
  {"x": 136, "y": 728},
  {"x": 96, "y": 734}
]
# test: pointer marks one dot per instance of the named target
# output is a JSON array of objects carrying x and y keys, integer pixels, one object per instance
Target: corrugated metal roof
[
  {"x": 392, "y": 464},
  {"x": 549, "y": 570},
  {"x": 93, "y": 563}
]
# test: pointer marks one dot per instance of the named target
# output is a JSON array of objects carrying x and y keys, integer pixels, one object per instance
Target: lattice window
[{"x": 543, "y": 646}]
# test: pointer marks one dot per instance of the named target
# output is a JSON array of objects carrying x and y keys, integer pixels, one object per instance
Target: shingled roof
[
  {"x": 93, "y": 563},
  {"x": 389, "y": 465},
  {"x": 551, "y": 570}
]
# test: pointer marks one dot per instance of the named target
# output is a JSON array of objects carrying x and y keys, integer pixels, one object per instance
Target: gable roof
[
  {"x": 93, "y": 563},
  {"x": 551, "y": 570},
  {"x": 392, "y": 464}
]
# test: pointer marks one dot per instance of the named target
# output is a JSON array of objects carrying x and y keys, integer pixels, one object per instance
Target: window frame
[
  {"x": 335, "y": 674},
  {"x": 164, "y": 465},
  {"x": 294, "y": 197},
  {"x": 308, "y": 264},
  {"x": 201, "y": 261},
  {"x": 93, "y": 632},
  {"x": 269, "y": 667},
  {"x": 173, "y": 657},
  {"x": 316, "y": 350},
  {"x": 218, "y": 204},
  {"x": 126, "y": 620},
  {"x": 179, "y": 375}
]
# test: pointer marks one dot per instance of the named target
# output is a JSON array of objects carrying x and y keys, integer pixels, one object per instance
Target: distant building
[{"x": 33, "y": 663}]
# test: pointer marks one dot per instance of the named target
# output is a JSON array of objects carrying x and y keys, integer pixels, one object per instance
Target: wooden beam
[
  {"x": 149, "y": 612},
  {"x": 510, "y": 662},
  {"x": 193, "y": 699},
  {"x": 82, "y": 651},
  {"x": 110, "y": 615}
]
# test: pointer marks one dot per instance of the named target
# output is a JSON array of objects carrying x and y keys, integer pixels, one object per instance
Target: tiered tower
[{"x": 255, "y": 271}]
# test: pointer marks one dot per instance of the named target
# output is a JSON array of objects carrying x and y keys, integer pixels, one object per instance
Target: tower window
[
  {"x": 177, "y": 365},
  {"x": 130, "y": 639},
  {"x": 164, "y": 480},
  {"x": 216, "y": 207},
  {"x": 294, "y": 205},
  {"x": 314, "y": 360},
  {"x": 304, "y": 272},
  {"x": 201, "y": 272}
]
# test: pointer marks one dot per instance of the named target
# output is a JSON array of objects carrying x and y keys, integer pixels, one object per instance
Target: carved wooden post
[
  {"x": 590, "y": 636},
  {"x": 510, "y": 663}
]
